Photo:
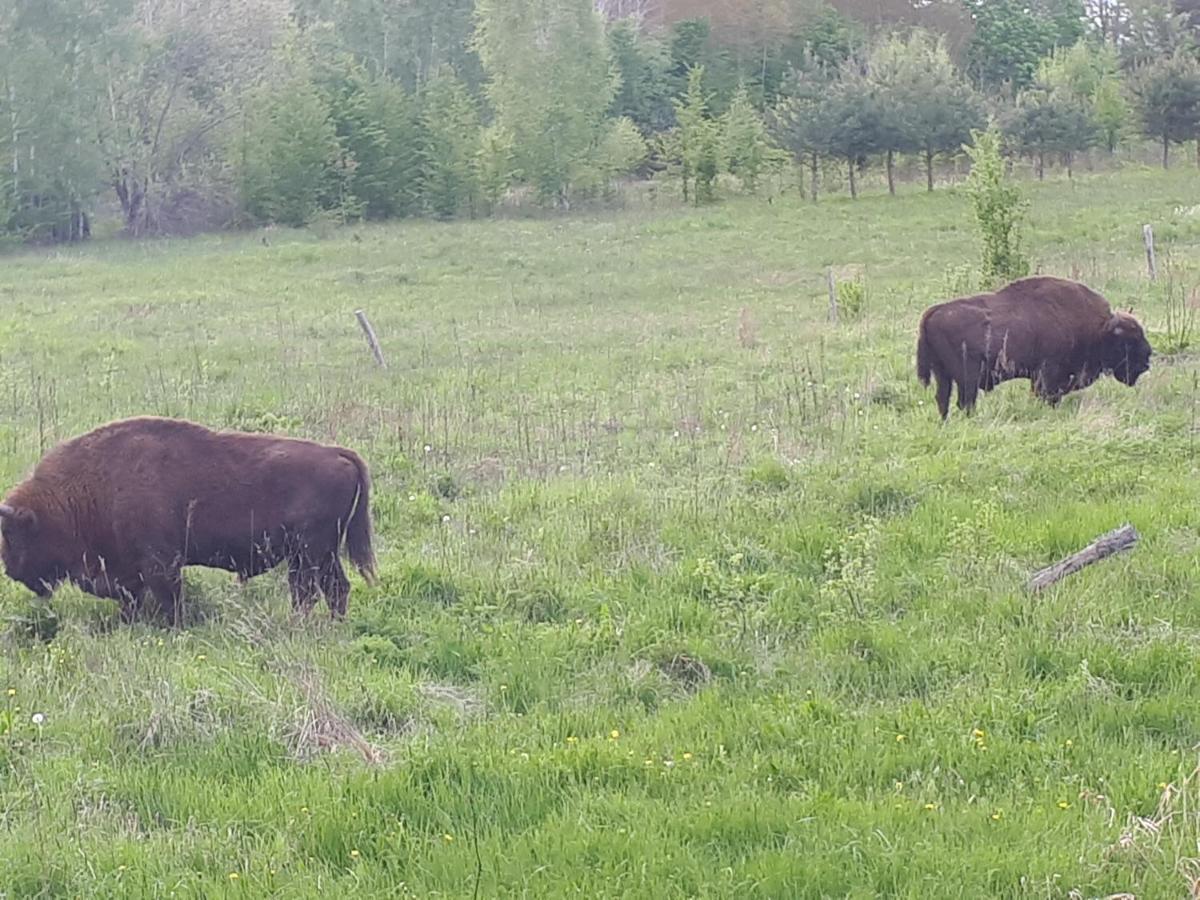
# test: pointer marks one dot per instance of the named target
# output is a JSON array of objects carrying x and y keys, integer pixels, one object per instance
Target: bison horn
[{"x": 7, "y": 512}]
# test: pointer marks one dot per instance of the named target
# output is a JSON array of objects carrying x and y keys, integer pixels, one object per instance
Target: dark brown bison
[
  {"x": 1057, "y": 333},
  {"x": 120, "y": 511}
]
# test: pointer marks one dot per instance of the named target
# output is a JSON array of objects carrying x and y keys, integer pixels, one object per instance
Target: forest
[{"x": 180, "y": 116}]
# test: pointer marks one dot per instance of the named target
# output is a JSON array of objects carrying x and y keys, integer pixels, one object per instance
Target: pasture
[{"x": 685, "y": 591}]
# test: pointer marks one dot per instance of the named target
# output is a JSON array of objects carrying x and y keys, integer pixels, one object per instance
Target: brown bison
[
  {"x": 120, "y": 511},
  {"x": 1057, "y": 333}
]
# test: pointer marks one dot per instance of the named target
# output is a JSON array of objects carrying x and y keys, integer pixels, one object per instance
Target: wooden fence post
[{"x": 372, "y": 341}]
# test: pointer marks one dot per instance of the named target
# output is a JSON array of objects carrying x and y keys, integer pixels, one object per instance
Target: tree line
[{"x": 201, "y": 114}]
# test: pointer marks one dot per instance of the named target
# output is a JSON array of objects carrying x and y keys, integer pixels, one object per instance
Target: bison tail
[
  {"x": 924, "y": 363},
  {"x": 358, "y": 529}
]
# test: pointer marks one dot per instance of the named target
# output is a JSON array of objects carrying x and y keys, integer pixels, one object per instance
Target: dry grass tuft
[
  {"x": 687, "y": 671},
  {"x": 460, "y": 699},
  {"x": 1167, "y": 835},
  {"x": 317, "y": 726},
  {"x": 747, "y": 329}
]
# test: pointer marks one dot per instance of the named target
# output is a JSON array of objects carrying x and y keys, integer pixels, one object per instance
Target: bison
[
  {"x": 120, "y": 511},
  {"x": 1059, "y": 334}
]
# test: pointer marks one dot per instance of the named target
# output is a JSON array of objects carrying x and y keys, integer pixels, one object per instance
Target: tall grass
[{"x": 684, "y": 590}]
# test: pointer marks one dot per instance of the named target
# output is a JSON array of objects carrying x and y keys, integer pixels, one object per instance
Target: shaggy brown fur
[
  {"x": 120, "y": 510},
  {"x": 1057, "y": 333}
]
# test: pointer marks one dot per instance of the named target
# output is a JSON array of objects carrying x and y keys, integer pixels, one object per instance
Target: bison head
[
  {"x": 23, "y": 550},
  {"x": 1125, "y": 350}
]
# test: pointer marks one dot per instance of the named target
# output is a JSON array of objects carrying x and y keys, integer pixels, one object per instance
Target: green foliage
[
  {"x": 450, "y": 148},
  {"x": 1167, "y": 97},
  {"x": 1011, "y": 37},
  {"x": 747, "y": 147},
  {"x": 289, "y": 149},
  {"x": 642, "y": 66},
  {"x": 857, "y": 119},
  {"x": 1049, "y": 120},
  {"x": 852, "y": 297},
  {"x": 698, "y": 146},
  {"x": 1089, "y": 75},
  {"x": 621, "y": 152},
  {"x": 376, "y": 127},
  {"x": 495, "y": 169},
  {"x": 999, "y": 209},
  {"x": 926, "y": 106},
  {"x": 550, "y": 81}
]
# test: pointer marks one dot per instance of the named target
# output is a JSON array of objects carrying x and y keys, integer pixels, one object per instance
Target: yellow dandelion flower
[
  {"x": 572, "y": 740},
  {"x": 1070, "y": 743},
  {"x": 614, "y": 734},
  {"x": 121, "y": 868},
  {"x": 1162, "y": 785},
  {"x": 649, "y": 761},
  {"x": 687, "y": 757},
  {"x": 1063, "y": 804},
  {"x": 200, "y": 657},
  {"x": 503, "y": 688},
  {"x": 899, "y": 785},
  {"x": 996, "y": 816},
  {"x": 900, "y": 739},
  {"x": 12, "y": 692},
  {"x": 448, "y": 838},
  {"x": 931, "y": 806},
  {"x": 977, "y": 734},
  {"x": 304, "y": 810},
  {"x": 354, "y": 854},
  {"x": 234, "y": 876}
]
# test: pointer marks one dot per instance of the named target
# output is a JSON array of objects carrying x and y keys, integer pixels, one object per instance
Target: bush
[{"x": 999, "y": 209}]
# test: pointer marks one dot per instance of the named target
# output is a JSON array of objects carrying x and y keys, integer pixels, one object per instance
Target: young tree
[
  {"x": 800, "y": 123},
  {"x": 856, "y": 120},
  {"x": 289, "y": 148},
  {"x": 999, "y": 209},
  {"x": 1167, "y": 98},
  {"x": 747, "y": 146},
  {"x": 550, "y": 81},
  {"x": 450, "y": 146},
  {"x": 641, "y": 63},
  {"x": 377, "y": 127},
  {"x": 1048, "y": 120},
  {"x": 697, "y": 141},
  {"x": 495, "y": 169}
]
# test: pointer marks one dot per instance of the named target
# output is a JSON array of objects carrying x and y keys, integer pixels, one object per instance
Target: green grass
[{"x": 676, "y": 600}]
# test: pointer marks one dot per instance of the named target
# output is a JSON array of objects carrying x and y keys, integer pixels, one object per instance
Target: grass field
[{"x": 685, "y": 591}]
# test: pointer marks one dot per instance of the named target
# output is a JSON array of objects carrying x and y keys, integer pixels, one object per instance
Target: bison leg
[
  {"x": 944, "y": 386},
  {"x": 336, "y": 587},
  {"x": 1049, "y": 385},
  {"x": 167, "y": 589},
  {"x": 302, "y": 582}
]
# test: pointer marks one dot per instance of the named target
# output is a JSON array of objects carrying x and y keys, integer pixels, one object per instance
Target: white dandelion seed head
[
  {"x": 445, "y": 519},
  {"x": 39, "y": 719}
]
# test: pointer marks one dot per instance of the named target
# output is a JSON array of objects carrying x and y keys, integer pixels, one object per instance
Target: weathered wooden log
[
  {"x": 372, "y": 341},
  {"x": 1106, "y": 545}
]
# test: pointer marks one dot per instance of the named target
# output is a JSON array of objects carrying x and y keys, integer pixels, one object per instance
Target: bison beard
[
  {"x": 1057, "y": 333},
  {"x": 121, "y": 510}
]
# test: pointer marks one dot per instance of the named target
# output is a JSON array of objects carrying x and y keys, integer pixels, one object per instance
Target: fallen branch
[{"x": 1106, "y": 545}]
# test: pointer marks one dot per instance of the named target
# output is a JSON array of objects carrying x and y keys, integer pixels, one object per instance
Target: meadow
[{"x": 685, "y": 590}]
